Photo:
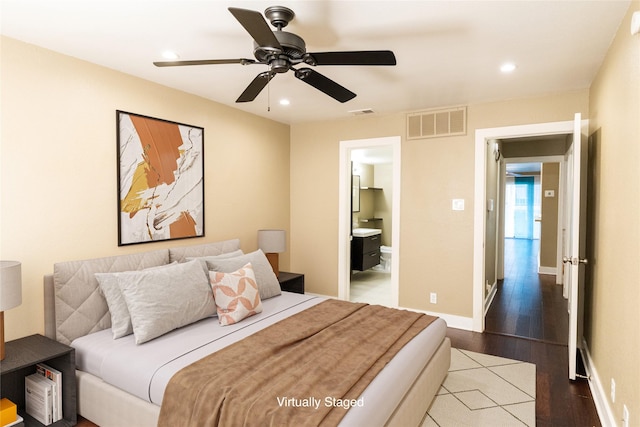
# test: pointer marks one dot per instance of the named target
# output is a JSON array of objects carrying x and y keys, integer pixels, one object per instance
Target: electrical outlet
[
  {"x": 625, "y": 416},
  {"x": 433, "y": 298},
  {"x": 613, "y": 390}
]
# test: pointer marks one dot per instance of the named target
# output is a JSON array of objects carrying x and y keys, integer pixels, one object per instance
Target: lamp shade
[
  {"x": 272, "y": 241},
  {"x": 10, "y": 285}
]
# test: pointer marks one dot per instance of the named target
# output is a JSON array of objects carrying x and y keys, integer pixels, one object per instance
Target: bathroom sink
[{"x": 365, "y": 232}]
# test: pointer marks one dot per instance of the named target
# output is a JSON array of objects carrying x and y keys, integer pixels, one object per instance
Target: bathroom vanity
[{"x": 365, "y": 248}]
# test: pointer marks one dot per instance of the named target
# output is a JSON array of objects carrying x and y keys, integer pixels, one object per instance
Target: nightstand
[
  {"x": 291, "y": 282},
  {"x": 22, "y": 355}
]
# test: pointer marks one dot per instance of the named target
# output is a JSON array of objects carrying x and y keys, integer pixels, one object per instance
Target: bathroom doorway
[{"x": 369, "y": 220}]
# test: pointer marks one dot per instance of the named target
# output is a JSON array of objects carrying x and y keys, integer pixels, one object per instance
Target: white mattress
[{"x": 145, "y": 370}]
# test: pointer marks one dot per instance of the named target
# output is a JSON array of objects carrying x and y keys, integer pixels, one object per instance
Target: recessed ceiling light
[
  {"x": 167, "y": 54},
  {"x": 285, "y": 102},
  {"x": 508, "y": 67}
]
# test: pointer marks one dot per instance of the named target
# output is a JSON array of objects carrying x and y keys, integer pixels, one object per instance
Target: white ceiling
[
  {"x": 523, "y": 168},
  {"x": 448, "y": 52}
]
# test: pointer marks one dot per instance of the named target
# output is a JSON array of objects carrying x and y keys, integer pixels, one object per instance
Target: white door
[{"x": 574, "y": 255}]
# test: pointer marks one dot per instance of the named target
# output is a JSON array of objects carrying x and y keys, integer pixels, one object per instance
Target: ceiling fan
[{"x": 281, "y": 51}]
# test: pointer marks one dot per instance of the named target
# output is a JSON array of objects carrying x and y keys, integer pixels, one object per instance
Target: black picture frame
[{"x": 160, "y": 179}]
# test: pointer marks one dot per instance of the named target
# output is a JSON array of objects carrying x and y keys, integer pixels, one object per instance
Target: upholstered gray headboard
[{"x": 74, "y": 305}]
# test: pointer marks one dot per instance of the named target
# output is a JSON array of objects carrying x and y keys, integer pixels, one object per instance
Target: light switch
[
  {"x": 549, "y": 193},
  {"x": 457, "y": 204}
]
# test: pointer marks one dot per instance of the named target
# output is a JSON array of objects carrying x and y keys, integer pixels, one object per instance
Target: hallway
[
  {"x": 527, "y": 304},
  {"x": 528, "y": 321}
]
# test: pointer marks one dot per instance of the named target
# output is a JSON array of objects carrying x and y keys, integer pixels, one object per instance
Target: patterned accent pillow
[{"x": 236, "y": 294}]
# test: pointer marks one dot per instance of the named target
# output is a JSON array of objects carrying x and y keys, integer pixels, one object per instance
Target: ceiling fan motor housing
[{"x": 293, "y": 48}]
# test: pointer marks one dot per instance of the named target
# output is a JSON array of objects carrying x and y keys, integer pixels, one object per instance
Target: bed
[{"x": 125, "y": 380}]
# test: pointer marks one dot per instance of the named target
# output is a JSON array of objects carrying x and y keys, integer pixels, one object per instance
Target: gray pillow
[
  {"x": 214, "y": 257},
  {"x": 160, "y": 301},
  {"x": 266, "y": 279},
  {"x": 120, "y": 318}
]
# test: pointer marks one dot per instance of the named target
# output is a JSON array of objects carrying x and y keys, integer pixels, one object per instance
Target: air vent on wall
[{"x": 437, "y": 123}]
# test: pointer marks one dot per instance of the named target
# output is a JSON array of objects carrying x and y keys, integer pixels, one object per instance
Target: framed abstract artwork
[{"x": 160, "y": 179}]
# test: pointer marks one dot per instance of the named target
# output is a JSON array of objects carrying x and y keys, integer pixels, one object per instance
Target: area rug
[{"x": 483, "y": 390}]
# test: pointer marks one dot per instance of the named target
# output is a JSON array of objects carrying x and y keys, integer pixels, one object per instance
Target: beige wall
[
  {"x": 613, "y": 285},
  {"x": 550, "y": 180},
  {"x": 376, "y": 200},
  {"x": 436, "y": 251},
  {"x": 367, "y": 201},
  {"x": 383, "y": 200},
  {"x": 58, "y": 166}
]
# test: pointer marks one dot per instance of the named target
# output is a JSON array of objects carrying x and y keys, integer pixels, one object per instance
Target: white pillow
[
  {"x": 266, "y": 279},
  {"x": 236, "y": 295},
  {"x": 160, "y": 301},
  {"x": 120, "y": 318}
]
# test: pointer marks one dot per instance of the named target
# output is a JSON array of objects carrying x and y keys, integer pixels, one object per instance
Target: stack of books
[{"x": 43, "y": 394}]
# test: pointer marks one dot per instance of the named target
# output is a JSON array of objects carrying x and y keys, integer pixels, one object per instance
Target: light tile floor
[{"x": 371, "y": 286}]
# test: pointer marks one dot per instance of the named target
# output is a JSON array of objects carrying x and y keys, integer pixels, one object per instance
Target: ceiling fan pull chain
[{"x": 268, "y": 89}]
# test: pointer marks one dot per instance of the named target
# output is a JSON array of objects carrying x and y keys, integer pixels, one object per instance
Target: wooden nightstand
[
  {"x": 291, "y": 282},
  {"x": 22, "y": 355}
]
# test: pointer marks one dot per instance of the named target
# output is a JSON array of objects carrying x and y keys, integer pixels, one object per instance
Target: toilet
[{"x": 385, "y": 258}]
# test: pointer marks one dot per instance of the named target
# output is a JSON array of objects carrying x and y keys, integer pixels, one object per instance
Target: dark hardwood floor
[
  {"x": 527, "y": 304},
  {"x": 528, "y": 321}
]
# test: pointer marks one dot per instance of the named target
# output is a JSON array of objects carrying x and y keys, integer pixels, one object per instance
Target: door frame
[
  {"x": 344, "y": 213},
  {"x": 482, "y": 136}
]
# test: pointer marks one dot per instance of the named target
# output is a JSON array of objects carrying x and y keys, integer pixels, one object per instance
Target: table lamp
[
  {"x": 272, "y": 242},
  {"x": 10, "y": 293}
]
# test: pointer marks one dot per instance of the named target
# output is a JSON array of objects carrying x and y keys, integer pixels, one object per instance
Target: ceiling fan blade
[
  {"x": 242, "y": 61},
  {"x": 358, "y": 57},
  {"x": 257, "y": 27},
  {"x": 255, "y": 87},
  {"x": 324, "y": 84}
]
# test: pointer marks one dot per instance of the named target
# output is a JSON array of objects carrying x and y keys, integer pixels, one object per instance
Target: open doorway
[
  {"x": 371, "y": 219},
  {"x": 490, "y": 145},
  {"x": 369, "y": 230},
  {"x": 487, "y": 147},
  {"x": 528, "y": 302}
]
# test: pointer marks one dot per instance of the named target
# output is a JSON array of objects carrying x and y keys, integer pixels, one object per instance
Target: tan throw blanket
[{"x": 306, "y": 370}]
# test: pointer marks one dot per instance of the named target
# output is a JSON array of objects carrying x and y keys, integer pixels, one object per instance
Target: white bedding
[{"x": 145, "y": 370}]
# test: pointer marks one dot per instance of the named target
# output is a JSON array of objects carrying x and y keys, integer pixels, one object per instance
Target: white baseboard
[
  {"x": 607, "y": 419},
  {"x": 453, "y": 321},
  {"x": 547, "y": 270}
]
